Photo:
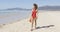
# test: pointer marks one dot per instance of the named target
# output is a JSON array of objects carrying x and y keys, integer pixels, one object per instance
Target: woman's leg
[
  {"x": 32, "y": 22},
  {"x": 32, "y": 25},
  {"x": 35, "y": 23}
]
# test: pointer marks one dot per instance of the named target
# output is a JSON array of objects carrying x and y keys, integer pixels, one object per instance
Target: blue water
[{"x": 13, "y": 15}]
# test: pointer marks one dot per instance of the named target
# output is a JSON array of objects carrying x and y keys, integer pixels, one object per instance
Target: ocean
[{"x": 8, "y": 16}]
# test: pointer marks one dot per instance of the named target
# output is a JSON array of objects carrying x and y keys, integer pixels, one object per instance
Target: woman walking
[{"x": 34, "y": 16}]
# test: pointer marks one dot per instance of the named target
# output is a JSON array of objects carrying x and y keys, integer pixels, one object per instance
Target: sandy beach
[{"x": 48, "y": 21}]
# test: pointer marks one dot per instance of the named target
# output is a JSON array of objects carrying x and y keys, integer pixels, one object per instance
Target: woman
[{"x": 34, "y": 16}]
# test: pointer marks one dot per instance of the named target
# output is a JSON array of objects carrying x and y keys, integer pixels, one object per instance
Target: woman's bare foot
[{"x": 32, "y": 29}]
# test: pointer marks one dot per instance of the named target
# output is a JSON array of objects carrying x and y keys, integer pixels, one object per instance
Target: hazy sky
[{"x": 27, "y": 3}]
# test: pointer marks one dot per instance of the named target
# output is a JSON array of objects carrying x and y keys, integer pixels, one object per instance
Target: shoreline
[{"x": 46, "y": 22}]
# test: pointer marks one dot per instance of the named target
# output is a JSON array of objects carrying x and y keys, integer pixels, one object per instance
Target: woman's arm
[{"x": 36, "y": 11}]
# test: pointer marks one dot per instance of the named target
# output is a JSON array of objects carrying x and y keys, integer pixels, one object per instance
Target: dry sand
[{"x": 48, "y": 21}]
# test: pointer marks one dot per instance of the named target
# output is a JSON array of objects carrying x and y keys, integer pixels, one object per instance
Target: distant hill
[
  {"x": 52, "y": 8},
  {"x": 40, "y": 8},
  {"x": 49, "y": 8},
  {"x": 16, "y": 9}
]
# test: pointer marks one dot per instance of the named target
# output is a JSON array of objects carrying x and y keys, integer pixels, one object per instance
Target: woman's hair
[{"x": 36, "y": 6}]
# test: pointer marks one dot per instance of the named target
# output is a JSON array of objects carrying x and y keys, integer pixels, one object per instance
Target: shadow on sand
[{"x": 45, "y": 26}]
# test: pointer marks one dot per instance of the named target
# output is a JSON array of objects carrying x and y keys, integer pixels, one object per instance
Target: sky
[{"x": 4, "y": 4}]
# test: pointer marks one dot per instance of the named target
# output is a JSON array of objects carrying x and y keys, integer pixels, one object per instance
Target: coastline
[{"x": 47, "y": 22}]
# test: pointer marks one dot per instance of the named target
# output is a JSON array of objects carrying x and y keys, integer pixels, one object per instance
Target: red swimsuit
[{"x": 34, "y": 13}]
